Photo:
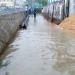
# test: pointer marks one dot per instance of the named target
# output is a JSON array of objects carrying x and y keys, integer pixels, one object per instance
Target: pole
[
  {"x": 64, "y": 9},
  {"x": 14, "y": 3},
  {"x": 68, "y": 8}
]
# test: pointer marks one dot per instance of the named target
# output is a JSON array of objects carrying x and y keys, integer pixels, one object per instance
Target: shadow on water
[
  {"x": 35, "y": 20},
  {"x": 7, "y": 55},
  {"x": 3, "y": 64}
]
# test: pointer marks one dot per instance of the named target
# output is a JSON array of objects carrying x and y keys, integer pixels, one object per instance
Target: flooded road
[{"x": 42, "y": 49}]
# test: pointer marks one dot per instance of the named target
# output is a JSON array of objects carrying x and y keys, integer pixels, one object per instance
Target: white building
[
  {"x": 21, "y": 3},
  {"x": 72, "y": 7},
  {"x": 9, "y": 3}
]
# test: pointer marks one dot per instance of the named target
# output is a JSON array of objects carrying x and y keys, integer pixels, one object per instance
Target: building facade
[
  {"x": 9, "y": 3},
  {"x": 30, "y": 2},
  {"x": 72, "y": 7}
]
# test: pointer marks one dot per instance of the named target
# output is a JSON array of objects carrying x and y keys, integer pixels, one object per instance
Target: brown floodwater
[{"x": 42, "y": 49}]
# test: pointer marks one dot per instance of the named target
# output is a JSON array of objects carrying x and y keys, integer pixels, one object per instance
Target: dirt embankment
[{"x": 69, "y": 24}]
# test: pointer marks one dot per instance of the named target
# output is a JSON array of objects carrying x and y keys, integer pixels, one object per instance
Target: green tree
[{"x": 43, "y": 2}]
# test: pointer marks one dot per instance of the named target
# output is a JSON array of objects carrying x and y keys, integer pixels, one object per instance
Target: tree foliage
[{"x": 43, "y": 2}]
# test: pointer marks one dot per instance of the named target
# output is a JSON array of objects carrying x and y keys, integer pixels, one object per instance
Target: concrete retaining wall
[{"x": 9, "y": 24}]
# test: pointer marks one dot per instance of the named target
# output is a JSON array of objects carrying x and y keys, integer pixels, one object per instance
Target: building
[
  {"x": 30, "y": 2},
  {"x": 72, "y": 7},
  {"x": 50, "y": 1},
  {"x": 9, "y": 3},
  {"x": 21, "y": 3}
]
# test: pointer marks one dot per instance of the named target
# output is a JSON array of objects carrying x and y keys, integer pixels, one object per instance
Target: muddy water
[{"x": 42, "y": 49}]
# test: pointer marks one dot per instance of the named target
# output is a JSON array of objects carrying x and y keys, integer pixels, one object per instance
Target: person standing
[{"x": 34, "y": 13}]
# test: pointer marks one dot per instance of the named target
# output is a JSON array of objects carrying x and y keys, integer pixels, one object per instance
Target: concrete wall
[{"x": 9, "y": 24}]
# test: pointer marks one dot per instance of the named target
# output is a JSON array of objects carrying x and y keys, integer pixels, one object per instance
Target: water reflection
[
  {"x": 5, "y": 59},
  {"x": 65, "y": 64},
  {"x": 3, "y": 64},
  {"x": 34, "y": 20},
  {"x": 7, "y": 73},
  {"x": 42, "y": 49},
  {"x": 65, "y": 54}
]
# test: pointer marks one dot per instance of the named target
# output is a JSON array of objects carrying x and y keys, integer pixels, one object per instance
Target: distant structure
[
  {"x": 51, "y": 1},
  {"x": 69, "y": 6},
  {"x": 30, "y": 2},
  {"x": 8, "y": 3},
  {"x": 72, "y": 7}
]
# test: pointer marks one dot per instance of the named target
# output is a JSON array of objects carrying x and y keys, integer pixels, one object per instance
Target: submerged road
[{"x": 42, "y": 49}]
